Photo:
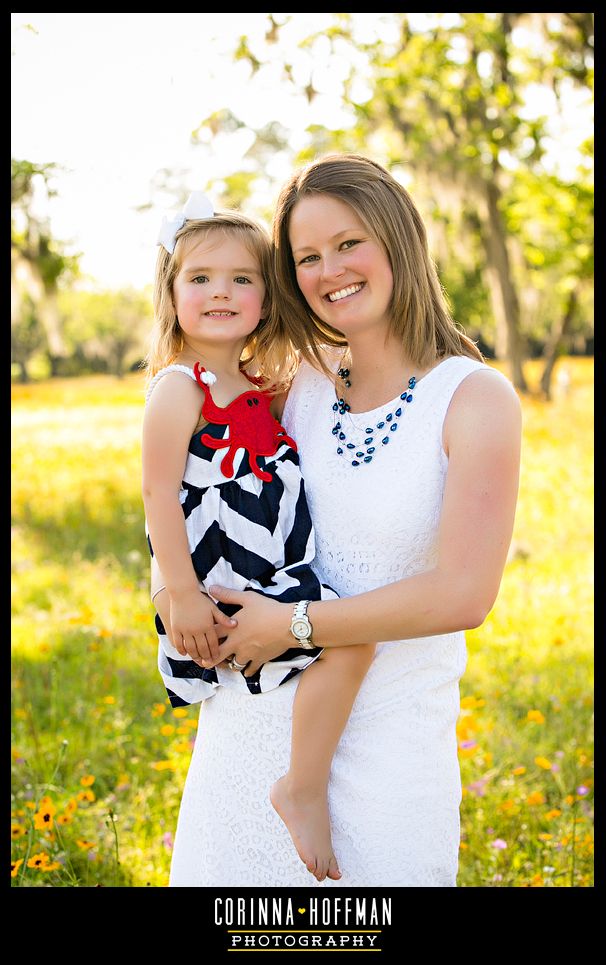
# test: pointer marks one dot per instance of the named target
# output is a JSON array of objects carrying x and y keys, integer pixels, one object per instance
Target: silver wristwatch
[{"x": 300, "y": 627}]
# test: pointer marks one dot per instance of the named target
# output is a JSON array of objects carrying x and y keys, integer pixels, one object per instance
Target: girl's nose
[{"x": 220, "y": 290}]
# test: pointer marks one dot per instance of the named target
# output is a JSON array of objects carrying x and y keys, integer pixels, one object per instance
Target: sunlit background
[{"x": 115, "y": 100}]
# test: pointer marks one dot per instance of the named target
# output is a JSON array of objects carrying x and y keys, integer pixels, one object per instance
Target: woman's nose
[{"x": 332, "y": 267}]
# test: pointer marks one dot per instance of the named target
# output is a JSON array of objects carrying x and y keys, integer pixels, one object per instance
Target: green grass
[{"x": 88, "y": 701}]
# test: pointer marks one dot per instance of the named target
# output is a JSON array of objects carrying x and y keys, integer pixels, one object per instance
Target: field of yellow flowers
[{"x": 98, "y": 755}]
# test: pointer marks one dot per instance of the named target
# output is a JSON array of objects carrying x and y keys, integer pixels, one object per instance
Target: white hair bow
[{"x": 198, "y": 205}]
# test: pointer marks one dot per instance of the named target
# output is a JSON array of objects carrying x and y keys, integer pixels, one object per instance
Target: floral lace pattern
[{"x": 395, "y": 787}]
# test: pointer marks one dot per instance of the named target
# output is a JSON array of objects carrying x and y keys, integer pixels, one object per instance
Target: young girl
[{"x": 225, "y": 502}]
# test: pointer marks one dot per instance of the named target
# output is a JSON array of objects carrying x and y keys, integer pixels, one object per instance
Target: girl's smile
[{"x": 218, "y": 293}]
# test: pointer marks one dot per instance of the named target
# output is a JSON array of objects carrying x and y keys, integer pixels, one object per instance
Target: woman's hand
[{"x": 262, "y": 633}]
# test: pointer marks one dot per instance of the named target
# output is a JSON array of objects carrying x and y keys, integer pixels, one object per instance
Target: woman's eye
[
  {"x": 307, "y": 260},
  {"x": 350, "y": 243}
]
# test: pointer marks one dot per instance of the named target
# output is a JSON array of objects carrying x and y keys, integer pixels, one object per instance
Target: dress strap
[{"x": 175, "y": 367}]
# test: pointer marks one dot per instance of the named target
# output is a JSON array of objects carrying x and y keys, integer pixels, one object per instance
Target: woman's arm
[{"x": 482, "y": 433}]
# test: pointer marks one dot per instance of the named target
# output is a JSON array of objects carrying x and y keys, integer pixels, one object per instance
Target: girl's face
[
  {"x": 218, "y": 292},
  {"x": 343, "y": 273}
]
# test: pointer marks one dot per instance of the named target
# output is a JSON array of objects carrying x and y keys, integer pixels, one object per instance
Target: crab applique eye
[
  {"x": 249, "y": 402},
  {"x": 255, "y": 402}
]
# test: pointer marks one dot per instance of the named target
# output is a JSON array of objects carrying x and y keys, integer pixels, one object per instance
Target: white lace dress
[{"x": 395, "y": 786}]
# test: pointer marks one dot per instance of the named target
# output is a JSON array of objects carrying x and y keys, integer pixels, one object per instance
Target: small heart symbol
[{"x": 301, "y": 911}]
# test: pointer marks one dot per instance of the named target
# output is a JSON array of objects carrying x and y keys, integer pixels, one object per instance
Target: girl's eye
[
  {"x": 199, "y": 279},
  {"x": 242, "y": 280}
]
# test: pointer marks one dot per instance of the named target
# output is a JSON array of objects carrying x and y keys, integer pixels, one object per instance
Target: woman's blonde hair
[
  {"x": 418, "y": 310},
  {"x": 270, "y": 359}
]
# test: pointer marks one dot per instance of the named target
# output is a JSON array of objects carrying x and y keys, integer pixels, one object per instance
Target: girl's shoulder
[{"x": 174, "y": 367}]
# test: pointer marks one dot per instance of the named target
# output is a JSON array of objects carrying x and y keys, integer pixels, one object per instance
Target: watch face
[{"x": 301, "y": 629}]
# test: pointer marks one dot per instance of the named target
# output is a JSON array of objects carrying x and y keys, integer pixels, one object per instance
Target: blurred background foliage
[{"x": 444, "y": 107}]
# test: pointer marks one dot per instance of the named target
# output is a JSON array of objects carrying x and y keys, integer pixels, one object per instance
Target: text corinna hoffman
[{"x": 308, "y": 912}]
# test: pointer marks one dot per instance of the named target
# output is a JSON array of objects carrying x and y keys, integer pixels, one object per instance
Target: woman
[{"x": 409, "y": 448}]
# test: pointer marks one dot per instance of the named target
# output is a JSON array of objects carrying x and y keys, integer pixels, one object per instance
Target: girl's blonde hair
[
  {"x": 272, "y": 359},
  {"x": 418, "y": 310}
]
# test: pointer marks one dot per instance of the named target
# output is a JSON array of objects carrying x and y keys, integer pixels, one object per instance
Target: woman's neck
[{"x": 379, "y": 368}]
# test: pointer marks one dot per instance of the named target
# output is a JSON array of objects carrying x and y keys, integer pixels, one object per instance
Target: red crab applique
[{"x": 252, "y": 427}]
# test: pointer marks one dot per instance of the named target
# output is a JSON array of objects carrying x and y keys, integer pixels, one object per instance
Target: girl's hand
[
  {"x": 196, "y": 625},
  {"x": 262, "y": 632}
]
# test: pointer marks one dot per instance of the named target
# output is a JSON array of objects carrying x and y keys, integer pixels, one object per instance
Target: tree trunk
[
  {"x": 557, "y": 342},
  {"x": 505, "y": 305}
]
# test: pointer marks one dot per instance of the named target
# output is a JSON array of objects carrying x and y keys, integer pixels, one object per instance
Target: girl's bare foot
[{"x": 306, "y": 817}]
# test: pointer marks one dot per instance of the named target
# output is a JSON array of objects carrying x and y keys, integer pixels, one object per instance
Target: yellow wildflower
[
  {"x": 85, "y": 844},
  {"x": 537, "y": 797},
  {"x": 164, "y": 765},
  {"x": 64, "y": 819},
  {"x": 87, "y": 780},
  {"x": 15, "y": 865},
  {"x": 167, "y": 729},
  {"x": 109, "y": 699},
  {"x": 545, "y": 837},
  {"x": 554, "y": 813},
  {"x": 51, "y": 867},
  {"x": 85, "y": 796},
  {"x": 158, "y": 710},
  {"x": 182, "y": 747},
  {"x": 43, "y": 819},
  {"x": 180, "y": 712},
  {"x": 71, "y": 805},
  {"x": 519, "y": 770},
  {"x": 535, "y": 715},
  {"x": 17, "y": 831},
  {"x": 543, "y": 762},
  {"x": 38, "y": 860}
]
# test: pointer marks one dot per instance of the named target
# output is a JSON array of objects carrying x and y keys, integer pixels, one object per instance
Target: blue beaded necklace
[{"x": 364, "y": 452}]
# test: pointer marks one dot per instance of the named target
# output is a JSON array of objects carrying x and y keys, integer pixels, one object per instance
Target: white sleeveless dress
[{"x": 395, "y": 787}]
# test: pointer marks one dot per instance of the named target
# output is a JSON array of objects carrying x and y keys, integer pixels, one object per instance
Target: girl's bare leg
[{"x": 322, "y": 705}]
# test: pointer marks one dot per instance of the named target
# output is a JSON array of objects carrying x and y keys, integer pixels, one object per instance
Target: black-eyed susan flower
[
  {"x": 15, "y": 865},
  {"x": 64, "y": 819},
  {"x": 38, "y": 860},
  {"x": 54, "y": 866},
  {"x": 82, "y": 843},
  {"x": 87, "y": 780},
  {"x": 17, "y": 831},
  {"x": 71, "y": 805},
  {"x": 43, "y": 819},
  {"x": 85, "y": 796}
]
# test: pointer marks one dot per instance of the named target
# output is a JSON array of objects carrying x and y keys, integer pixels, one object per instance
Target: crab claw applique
[{"x": 251, "y": 427}]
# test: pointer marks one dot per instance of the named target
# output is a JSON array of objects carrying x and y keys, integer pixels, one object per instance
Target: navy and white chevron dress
[{"x": 246, "y": 534}]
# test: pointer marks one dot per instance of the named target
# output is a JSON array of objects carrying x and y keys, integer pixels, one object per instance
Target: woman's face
[{"x": 343, "y": 273}]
